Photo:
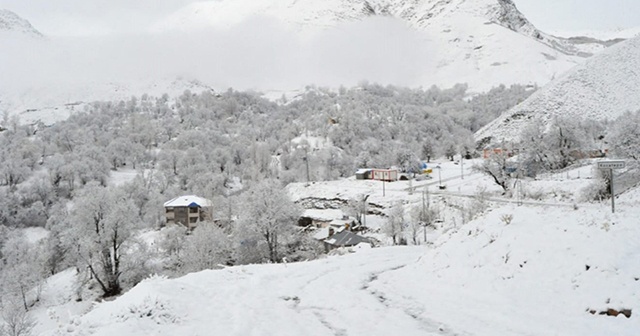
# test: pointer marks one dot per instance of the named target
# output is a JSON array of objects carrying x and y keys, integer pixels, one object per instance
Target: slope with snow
[
  {"x": 551, "y": 270},
  {"x": 605, "y": 87},
  {"x": 541, "y": 274},
  {"x": 13, "y": 25}
]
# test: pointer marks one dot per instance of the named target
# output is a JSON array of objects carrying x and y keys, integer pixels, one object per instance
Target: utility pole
[
  {"x": 306, "y": 160},
  {"x": 613, "y": 194},
  {"x": 364, "y": 212},
  {"x": 461, "y": 166},
  {"x": 383, "y": 188},
  {"x": 424, "y": 213}
]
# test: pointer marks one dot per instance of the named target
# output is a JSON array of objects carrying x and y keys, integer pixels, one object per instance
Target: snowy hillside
[
  {"x": 551, "y": 271},
  {"x": 604, "y": 87},
  {"x": 555, "y": 268},
  {"x": 13, "y": 25},
  {"x": 483, "y": 43},
  {"x": 49, "y": 103}
]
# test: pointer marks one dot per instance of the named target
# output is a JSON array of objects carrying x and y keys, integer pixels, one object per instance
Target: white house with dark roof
[{"x": 187, "y": 210}]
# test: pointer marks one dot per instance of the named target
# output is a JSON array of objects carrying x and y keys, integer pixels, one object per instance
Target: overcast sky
[
  {"x": 89, "y": 17},
  {"x": 577, "y": 15}
]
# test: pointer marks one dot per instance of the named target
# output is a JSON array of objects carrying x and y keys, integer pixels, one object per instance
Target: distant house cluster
[
  {"x": 331, "y": 231},
  {"x": 334, "y": 230}
]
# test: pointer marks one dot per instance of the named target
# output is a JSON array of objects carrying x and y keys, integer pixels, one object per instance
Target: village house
[
  {"x": 344, "y": 238},
  {"x": 364, "y": 174},
  {"x": 188, "y": 210}
]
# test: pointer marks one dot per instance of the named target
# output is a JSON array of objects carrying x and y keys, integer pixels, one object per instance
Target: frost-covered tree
[
  {"x": 20, "y": 272},
  {"x": 564, "y": 139},
  {"x": 498, "y": 167},
  {"x": 395, "y": 222},
  {"x": 267, "y": 222},
  {"x": 624, "y": 137},
  {"x": 208, "y": 247},
  {"x": 101, "y": 224},
  {"x": 421, "y": 218},
  {"x": 15, "y": 321}
]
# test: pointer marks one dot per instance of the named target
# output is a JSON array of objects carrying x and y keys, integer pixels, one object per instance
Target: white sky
[
  {"x": 580, "y": 15},
  {"x": 90, "y": 17}
]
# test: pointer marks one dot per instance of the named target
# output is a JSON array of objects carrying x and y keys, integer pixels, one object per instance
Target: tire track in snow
[
  {"x": 412, "y": 309},
  {"x": 345, "y": 307}
]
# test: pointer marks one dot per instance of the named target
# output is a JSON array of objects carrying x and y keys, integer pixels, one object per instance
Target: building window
[
  {"x": 193, "y": 220},
  {"x": 169, "y": 210},
  {"x": 193, "y": 210}
]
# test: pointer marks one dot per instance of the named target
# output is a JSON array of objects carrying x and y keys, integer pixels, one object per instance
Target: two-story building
[{"x": 188, "y": 210}]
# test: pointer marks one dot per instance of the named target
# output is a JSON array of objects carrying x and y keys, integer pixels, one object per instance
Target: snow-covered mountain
[
  {"x": 602, "y": 35},
  {"x": 604, "y": 87},
  {"x": 12, "y": 24},
  {"x": 483, "y": 42},
  {"x": 309, "y": 16}
]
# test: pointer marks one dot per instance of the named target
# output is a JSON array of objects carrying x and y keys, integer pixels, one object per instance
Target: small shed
[
  {"x": 344, "y": 239},
  {"x": 188, "y": 210},
  {"x": 363, "y": 174},
  {"x": 388, "y": 175}
]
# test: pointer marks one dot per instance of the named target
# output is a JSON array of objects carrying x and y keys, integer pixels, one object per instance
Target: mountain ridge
[
  {"x": 12, "y": 23},
  {"x": 602, "y": 89},
  {"x": 483, "y": 43}
]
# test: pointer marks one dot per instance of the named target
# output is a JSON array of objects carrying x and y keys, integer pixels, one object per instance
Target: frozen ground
[{"x": 550, "y": 270}]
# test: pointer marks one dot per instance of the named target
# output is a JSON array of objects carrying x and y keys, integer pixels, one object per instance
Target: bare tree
[
  {"x": 17, "y": 321},
  {"x": 394, "y": 225},
  {"x": 498, "y": 168}
]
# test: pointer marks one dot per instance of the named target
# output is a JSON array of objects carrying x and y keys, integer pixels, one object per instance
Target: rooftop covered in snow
[{"x": 188, "y": 201}]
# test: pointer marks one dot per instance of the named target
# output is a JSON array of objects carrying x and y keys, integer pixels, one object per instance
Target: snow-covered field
[{"x": 550, "y": 270}]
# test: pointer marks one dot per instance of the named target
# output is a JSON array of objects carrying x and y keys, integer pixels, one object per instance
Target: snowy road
[{"x": 327, "y": 297}]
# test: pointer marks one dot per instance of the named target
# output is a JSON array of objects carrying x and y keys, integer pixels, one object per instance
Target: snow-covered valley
[
  {"x": 539, "y": 275},
  {"x": 307, "y": 167},
  {"x": 556, "y": 267}
]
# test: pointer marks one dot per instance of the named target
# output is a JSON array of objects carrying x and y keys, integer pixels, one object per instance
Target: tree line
[{"x": 236, "y": 148}]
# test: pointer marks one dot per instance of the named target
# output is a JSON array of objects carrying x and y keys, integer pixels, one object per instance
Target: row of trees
[
  {"x": 561, "y": 143},
  {"x": 99, "y": 235},
  {"x": 236, "y": 148}
]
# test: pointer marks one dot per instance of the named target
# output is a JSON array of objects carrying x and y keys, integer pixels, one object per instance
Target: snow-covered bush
[{"x": 599, "y": 188}]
